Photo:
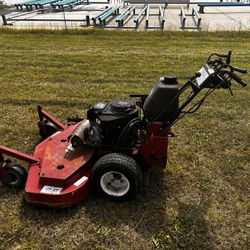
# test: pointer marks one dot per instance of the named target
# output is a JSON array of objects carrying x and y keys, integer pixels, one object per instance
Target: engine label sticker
[
  {"x": 51, "y": 190},
  {"x": 80, "y": 181}
]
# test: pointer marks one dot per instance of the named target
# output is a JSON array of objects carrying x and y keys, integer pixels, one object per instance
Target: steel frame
[
  {"x": 196, "y": 19},
  {"x": 161, "y": 18}
]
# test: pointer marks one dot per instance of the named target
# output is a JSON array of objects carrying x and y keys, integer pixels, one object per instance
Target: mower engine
[
  {"x": 117, "y": 122},
  {"x": 106, "y": 121}
]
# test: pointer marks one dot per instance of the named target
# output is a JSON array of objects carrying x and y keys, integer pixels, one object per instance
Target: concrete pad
[
  {"x": 214, "y": 18},
  {"x": 229, "y": 18}
]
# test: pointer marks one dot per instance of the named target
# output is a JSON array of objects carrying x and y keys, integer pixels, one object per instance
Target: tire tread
[{"x": 128, "y": 164}]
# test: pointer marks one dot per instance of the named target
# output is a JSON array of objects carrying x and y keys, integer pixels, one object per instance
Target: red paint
[
  {"x": 154, "y": 149},
  {"x": 18, "y": 155},
  {"x": 46, "y": 168},
  {"x": 51, "y": 173},
  {"x": 69, "y": 195},
  {"x": 57, "y": 165}
]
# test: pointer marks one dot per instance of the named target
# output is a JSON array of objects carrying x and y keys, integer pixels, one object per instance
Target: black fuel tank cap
[{"x": 172, "y": 79}]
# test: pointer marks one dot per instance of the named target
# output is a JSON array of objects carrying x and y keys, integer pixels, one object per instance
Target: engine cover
[{"x": 112, "y": 118}]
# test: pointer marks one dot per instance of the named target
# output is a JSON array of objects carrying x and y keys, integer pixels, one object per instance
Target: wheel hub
[
  {"x": 115, "y": 183},
  {"x": 12, "y": 178}
]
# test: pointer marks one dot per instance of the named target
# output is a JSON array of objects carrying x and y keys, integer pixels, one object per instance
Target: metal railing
[
  {"x": 195, "y": 16},
  {"x": 161, "y": 16},
  {"x": 113, "y": 11},
  {"x": 121, "y": 19},
  {"x": 140, "y": 16}
]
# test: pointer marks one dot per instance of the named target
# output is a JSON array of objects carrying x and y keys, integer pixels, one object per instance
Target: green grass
[{"x": 200, "y": 201}]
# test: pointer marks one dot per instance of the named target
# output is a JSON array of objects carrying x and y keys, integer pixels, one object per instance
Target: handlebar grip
[
  {"x": 238, "y": 80},
  {"x": 243, "y": 71}
]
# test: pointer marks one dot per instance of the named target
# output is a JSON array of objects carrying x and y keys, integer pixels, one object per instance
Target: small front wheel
[
  {"x": 17, "y": 175},
  {"x": 117, "y": 176}
]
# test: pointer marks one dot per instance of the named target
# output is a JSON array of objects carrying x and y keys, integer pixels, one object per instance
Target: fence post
[
  {"x": 4, "y": 20},
  {"x": 87, "y": 20},
  {"x": 147, "y": 16},
  {"x": 183, "y": 18},
  {"x": 162, "y": 24},
  {"x": 64, "y": 19}
]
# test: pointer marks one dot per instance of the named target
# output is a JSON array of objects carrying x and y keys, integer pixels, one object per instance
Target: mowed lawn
[{"x": 200, "y": 201}]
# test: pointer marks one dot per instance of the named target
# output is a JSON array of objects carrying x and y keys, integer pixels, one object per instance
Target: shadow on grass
[
  {"x": 149, "y": 217},
  {"x": 191, "y": 230},
  {"x": 145, "y": 221},
  {"x": 42, "y": 217}
]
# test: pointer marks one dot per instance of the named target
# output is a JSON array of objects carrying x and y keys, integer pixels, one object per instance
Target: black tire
[
  {"x": 17, "y": 175},
  {"x": 46, "y": 129},
  {"x": 116, "y": 176}
]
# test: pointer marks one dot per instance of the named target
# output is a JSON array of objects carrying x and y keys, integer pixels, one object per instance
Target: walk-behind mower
[{"x": 119, "y": 140}]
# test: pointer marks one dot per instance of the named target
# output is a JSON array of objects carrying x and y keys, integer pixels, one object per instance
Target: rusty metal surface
[{"x": 56, "y": 164}]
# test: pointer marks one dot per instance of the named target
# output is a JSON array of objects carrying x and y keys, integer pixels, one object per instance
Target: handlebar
[
  {"x": 219, "y": 56},
  {"x": 237, "y": 79},
  {"x": 221, "y": 65},
  {"x": 240, "y": 70}
]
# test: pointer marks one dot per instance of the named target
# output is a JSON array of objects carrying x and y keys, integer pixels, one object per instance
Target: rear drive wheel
[
  {"x": 117, "y": 176},
  {"x": 17, "y": 175}
]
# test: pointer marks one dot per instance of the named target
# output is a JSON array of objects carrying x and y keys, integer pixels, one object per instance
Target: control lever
[
  {"x": 229, "y": 57},
  {"x": 243, "y": 71},
  {"x": 237, "y": 79},
  {"x": 197, "y": 74},
  {"x": 230, "y": 89}
]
